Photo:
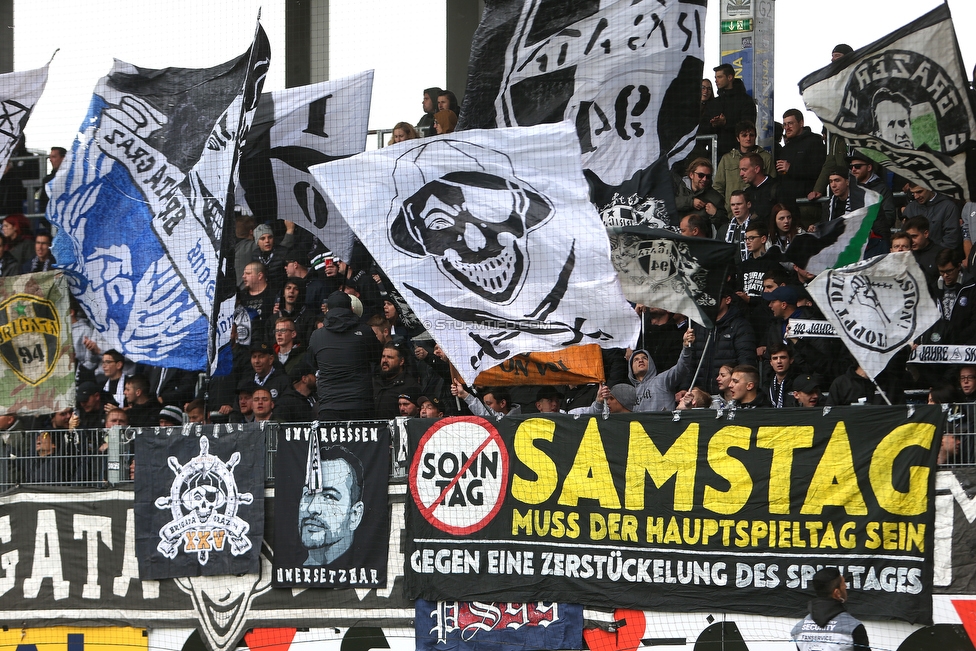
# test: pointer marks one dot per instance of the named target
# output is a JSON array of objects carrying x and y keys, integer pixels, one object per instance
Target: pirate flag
[
  {"x": 490, "y": 238},
  {"x": 679, "y": 274}
]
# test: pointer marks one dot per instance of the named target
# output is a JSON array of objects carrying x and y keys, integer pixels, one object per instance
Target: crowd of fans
[{"x": 317, "y": 338}]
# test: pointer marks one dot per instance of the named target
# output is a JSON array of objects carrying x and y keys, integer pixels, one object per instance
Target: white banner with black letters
[
  {"x": 294, "y": 129},
  {"x": 941, "y": 354},
  {"x": 878, "y": 306},
  {"x": 626, "y": 73},
  {"x": 489, "y": 236}
]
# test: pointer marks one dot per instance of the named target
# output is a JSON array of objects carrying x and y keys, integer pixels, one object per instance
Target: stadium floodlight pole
[{"x": 708, "y": 339}]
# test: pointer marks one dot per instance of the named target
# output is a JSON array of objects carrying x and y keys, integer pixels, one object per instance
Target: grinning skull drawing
[{"x": 472, "y": 222}]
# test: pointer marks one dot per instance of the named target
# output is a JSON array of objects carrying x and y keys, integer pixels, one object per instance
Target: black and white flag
[
  {"x": 626, "y": 73},
  {"x": 662, "y": 269},
  {"x": 903, "y": 100},
  {"x": 19, "y": 92},
  {"x": 292, "y": 130},
  {"x": 332, "y": 526},
  {"x": 199, "y": 500},
  {"x": 489, "y": 236},
  {"x": 877, "y": 306}
]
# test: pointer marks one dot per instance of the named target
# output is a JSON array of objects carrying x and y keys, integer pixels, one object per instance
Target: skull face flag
[
  {"x": 490, "y": 238},
  {"x": 199, "y": 500}
]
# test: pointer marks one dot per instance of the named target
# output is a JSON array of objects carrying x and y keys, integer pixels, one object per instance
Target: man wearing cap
[
  {"x": 547, "y": 400},
  {"x": 806, "y": 391},
  {"x": 90, "y": 413},
  {"x": 267, "y": 373},
  {"x": 344, "y": 349},
  {"x": 829, "y": 625},
  {"x": 843, "y": 197},
  {"x": 431, "y": 407},
  {"x": 273, "y": 257},
  {"x": 810, "y": 354},
  {"x": 298, "y": 400},
  {"x": 409, "y": 405},
  {"x": 732, "y": 343},
  {"x": 392, "y": 380},
  {"x": 170, "y": 416},
  {"x": 297, "y": 266}
]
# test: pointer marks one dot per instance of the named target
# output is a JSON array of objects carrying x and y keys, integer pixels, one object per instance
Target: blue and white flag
[
  {"x": 496, "y": 626},
  {"x": 292, "y": 130},
  {"x": 141, "y": 201},
  {"x": 19, "y": 92}
]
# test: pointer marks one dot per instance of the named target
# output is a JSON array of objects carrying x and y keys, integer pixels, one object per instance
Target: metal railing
[{"x": 100, "y": 458}]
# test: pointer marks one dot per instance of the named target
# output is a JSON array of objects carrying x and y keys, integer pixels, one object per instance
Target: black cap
[
  {"x": 807, "y": 383},
  {"x": 295, "y": 255},
  {"x": 411, "y": 397},
  {"x": 300, "y": 370},
  {"x": 86, "y": 390},
  {"x": 434, "y": 400},
  {"x": 550, "y": 393},
  {"x": 262, "y": 347},
  {"x": 842, "y": 172},
  {"x": 339, "y": 299}
]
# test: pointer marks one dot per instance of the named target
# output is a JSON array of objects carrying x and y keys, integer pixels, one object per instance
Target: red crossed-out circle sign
[{"x": 459, "y": 474}]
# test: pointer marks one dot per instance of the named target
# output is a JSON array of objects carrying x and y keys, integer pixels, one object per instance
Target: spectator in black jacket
[
  {"x": 733, "y": 343},
  {"x": 344, "y": 349},
  {"x": 393, "y": 380},
  {"x": 924, "y": 249},
  {"x": 799, "y": 161},
  {"x": 955, "y": 293},
  {"x": 732, "y": 106}
]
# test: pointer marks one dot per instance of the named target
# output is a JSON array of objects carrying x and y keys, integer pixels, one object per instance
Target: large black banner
[
  {"x": 656, "y": 512},
  {"x": 199, "y": 500},
  {"x": 332, "y": 525}
]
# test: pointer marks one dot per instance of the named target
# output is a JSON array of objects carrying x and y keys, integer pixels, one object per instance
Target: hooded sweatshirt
[
  {"x": 342, "y": 350},
  {"x": 655, "y": 392}
]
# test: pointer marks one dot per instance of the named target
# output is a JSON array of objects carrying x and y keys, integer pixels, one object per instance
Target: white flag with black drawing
[
  {"x": 490, "y": 237},
  {"x": 877, "y": 306},
  {"x": 297, "y": 128},
  {"x": 19, "y": 92},
  {"x": 627, "y": 74},
  {"x": 903, "y": 100}
]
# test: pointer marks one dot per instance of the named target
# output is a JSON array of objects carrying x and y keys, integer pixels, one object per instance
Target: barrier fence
[{"x": 96, "y": 458}]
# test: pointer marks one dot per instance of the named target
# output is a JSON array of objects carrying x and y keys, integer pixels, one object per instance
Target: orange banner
[{"x": 573, "y": 365}]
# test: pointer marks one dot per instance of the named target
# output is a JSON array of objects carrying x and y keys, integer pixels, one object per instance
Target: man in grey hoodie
[{"x": 655, "y": 391}]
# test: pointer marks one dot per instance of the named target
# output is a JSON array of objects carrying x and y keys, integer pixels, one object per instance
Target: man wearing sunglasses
[
  {"x": 695, "y": 194},
  {"x": 863, "y": 170}
]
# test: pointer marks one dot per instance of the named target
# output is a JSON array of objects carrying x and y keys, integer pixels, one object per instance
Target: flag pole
[
  {"x": 881, "y": 391},
  {"x": 702, "y": 358}
]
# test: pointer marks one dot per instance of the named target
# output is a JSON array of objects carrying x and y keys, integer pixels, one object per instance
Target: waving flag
[
  {"x": 836, "y": 243},
  {"x": 19, "y": 92},
  {"x": 662, "y": 269},
  {"x": 140, "y": 205},
  {"x": 490, "y": 238},
  {"x": 292, "y": 130},
  {"x": 626, "y": 73},
  {"x": 36, "y": 354},
  {"x": 903, "y": 101},
  {"x": 877, "y": 306}
]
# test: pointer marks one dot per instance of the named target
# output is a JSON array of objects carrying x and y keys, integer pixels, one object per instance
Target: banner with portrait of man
[
  {"x": 903, "y": 101},
  {"x": 332, "y": 521}
]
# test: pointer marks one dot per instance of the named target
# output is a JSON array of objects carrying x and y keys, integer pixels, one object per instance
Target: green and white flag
[
  {"x": 835, "y": 243},
  {"x": 36, "y": 353},
  {"x": 903, "y": 101}
]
